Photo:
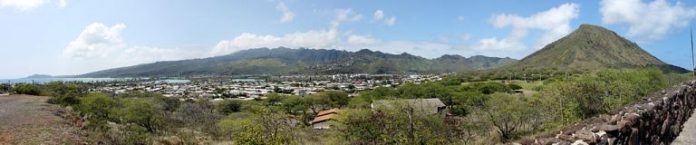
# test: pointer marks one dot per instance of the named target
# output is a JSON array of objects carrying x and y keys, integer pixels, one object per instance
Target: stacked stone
[{"x": 656, "y": 120}]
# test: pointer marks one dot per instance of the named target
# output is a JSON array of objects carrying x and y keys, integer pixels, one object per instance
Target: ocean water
[{"x": 173, "y": 81}]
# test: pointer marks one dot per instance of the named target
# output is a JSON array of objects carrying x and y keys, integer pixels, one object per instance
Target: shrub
[
  {"x": 28, "y": 89},
  {"x": 141, "y": 113}
]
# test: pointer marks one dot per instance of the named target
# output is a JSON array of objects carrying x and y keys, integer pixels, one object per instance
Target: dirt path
[
  {"x": 30, "y": 120},
  {"x": 688, "y": 134}
]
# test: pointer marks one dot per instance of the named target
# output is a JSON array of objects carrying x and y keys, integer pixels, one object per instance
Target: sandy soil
[{"x": 30, "y": 120}]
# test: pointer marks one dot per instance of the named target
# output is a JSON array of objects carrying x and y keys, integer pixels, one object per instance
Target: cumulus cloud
[
  {"x": 26, "y": 5},
  {"x": 650, "y": 20},
  {"x": 100, "y": 46},
  {"x": 345, "y": 15},
  {"x": 287, "y": 14},
  {"x": 380, "y": 17},
  {"x": 500, "y": 44},
  {"x": 95, "y": 41},
  {"x": 391, "y": 21},
  {"x": 554, "y": 24},
  {"x": 22, "y": 5},
  {"x": 309, "y": 39},
  {"x": 361, "y": 40}
]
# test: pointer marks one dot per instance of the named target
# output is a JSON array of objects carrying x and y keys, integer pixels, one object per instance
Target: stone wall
[{"x": 655, "y": 120}]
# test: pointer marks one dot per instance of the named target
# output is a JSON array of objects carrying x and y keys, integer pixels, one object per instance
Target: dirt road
[{"x": 30, "y": 120}]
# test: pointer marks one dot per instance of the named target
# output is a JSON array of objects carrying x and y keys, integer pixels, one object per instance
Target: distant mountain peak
[
  {"x": 39, "y": 76},
  {"x": 591, "y": 47}
]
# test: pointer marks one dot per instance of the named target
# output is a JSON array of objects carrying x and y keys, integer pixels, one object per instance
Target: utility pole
[{"x": 691, "y": 39}]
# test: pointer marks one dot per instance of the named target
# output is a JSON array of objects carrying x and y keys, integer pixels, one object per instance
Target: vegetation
[
  {"x": 478, "y": 112},
  {"x": 509, "y": 108}
]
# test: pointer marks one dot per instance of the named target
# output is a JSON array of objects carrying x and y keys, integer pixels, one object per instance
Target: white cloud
[
  {"x": 345, "y": 15},
  {"x": 287, "y": 14},
  {"x": 328, "y": 38},
  {"x": 555, "y": 23},
  {"x": 391, "y": 21},
  {"x": 22, "y": 5},
  {"x": 95, "y": 41},
  {"x": 62, "y": 3},
  {"x": 361, "y": 40},
  {"x": 649, "y": 20},
  {"x": 500, "y": 44},
  {"x": 380, "y": 17},
  {"x": 26, "y": 5},
  {"x": 466, "y": 37},
  {"x": 99, "y": 47},
  {"x": 309, "y": 39}
]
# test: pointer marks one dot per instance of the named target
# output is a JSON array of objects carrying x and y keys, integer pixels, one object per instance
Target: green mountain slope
[
  {"x": 590, "y": 48},
  {"x": 305, "y": 61}
]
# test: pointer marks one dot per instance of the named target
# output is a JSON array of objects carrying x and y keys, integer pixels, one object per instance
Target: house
[
  {"x": 321, "y": 121},
  {"x": 428, "y": 106}
]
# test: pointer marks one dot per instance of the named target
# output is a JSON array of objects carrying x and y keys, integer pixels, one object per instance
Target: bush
[
  {"x": 264, "y": 126},
  {"x": 514, "y": 87},
  {"x": 28, "y": 89},
  {"x": 141, "y": 113},
  {"x": 98, "y": 107}
]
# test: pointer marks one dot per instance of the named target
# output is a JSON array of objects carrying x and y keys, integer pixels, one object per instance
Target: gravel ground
[
  {"x": 30, "y": 120},
  {"x": 688, "y": 134}
]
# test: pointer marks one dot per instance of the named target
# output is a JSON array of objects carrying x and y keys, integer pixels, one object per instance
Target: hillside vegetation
[{"x": 481, "y": 112}]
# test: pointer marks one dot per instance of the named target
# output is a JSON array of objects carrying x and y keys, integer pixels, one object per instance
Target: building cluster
[{"x": 249, "y": 88}]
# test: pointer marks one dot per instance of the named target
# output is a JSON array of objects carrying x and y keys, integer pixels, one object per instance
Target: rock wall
[{"x": 655, "y": 120}]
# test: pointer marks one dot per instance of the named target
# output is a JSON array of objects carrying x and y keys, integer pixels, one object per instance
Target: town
[{"x": 255, "y": 87}]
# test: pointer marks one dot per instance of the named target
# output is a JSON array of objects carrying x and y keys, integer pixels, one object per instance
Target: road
[
  {"x": 688, "y": 134},
  {"x": 30, "y": 120}
]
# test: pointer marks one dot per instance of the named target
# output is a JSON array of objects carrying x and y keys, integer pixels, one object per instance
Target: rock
[
  {"x": 579, "y": 142},
  {"x": 654, "y": 120},
  {"x": 609, "y": 128},
  {"x": 586, "y": 136},
  {"x": 171, "y": 140}
]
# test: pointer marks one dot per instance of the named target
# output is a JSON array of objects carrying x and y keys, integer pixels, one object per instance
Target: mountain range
[
  {"x": 281, "y": 60},
  {"x": 586, "y": 49}
]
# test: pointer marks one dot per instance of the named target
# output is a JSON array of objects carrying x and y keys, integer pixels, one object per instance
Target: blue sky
[{"x": 62, "y": 37}]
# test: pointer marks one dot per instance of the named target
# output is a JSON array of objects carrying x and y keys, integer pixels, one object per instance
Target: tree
[
  {"x": 98, "y": 107},
  {"x": 229, "y": 106},
  {"x": 273, "y": 99},
  {"x": 400, "y": 124},
  {"x": 335, "y": 99},
  {"x": 169, "y": 104},
  {"x": 263, "y": 126},
  {"x": 5, "y": 88},
  {"x": 141, "y": 113},
  {"x": 508, "y": 114}
]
